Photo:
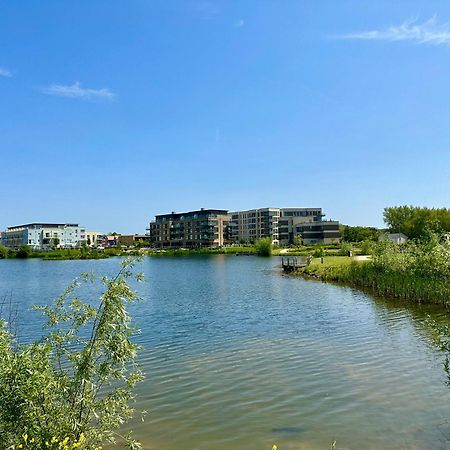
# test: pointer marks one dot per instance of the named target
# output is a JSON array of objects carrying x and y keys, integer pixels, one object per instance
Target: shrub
[
  {"x": 345, "y": 248},
  {"x": 367, "y": 247},
  {"x": 23, "y": 252},
  {"x": 264, "y": 247},
  {"x": 3, "y": 252},
  {"x": 76, "y": 383}
]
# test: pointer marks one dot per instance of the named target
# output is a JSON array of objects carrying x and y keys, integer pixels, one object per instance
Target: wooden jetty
[{"x": 292, "y": 263}]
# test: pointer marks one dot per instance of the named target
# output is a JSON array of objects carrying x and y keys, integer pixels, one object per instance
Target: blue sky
[{"x": 112, "y": 111}]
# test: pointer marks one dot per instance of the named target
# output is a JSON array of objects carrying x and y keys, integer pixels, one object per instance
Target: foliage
[
  {"x": 359, "y": 234},
  {"x": 23, "y": 252},
  {"x": 3, "y": 252},
  {"x": 264, "y": 246},
  {"x": 319, "y": 252},
  {"x": 77, "y": 382},
  {"x": 346, "y": 247},
  {"x": 415, "y": 221},
  {"x": 418, "y": 271},
  {"x": 367, "y": 247}
]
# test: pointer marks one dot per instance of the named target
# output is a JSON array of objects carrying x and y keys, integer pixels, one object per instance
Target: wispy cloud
[
  {"x": 429, "y": 32},
  {"x": 239, "y": 23},
  {"x": 5, "y": 73},
  {"x": 76, "y": 91}
]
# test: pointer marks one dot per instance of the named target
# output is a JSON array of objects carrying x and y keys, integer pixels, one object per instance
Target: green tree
[
  {"x": 76, "y": 383},
  {"x": 358, "y": 234},
  {"x": 415, "y": 222}
]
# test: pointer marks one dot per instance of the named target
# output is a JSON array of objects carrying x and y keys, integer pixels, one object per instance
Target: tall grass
[{"x": 417, "y": 271}]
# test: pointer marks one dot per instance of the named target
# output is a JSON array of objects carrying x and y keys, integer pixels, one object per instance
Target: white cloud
[
  {"x": 4, "y": 72},
  {"x": 239, "y": 23},
  {"x": 428, "y": 32},
  {"x": 76, "y": 91}
]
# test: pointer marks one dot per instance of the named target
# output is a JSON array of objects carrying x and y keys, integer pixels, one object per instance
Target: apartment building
[
  {"x": 282, "y": 225},
  {"x": 254, "y": 224},
  {"x": 43, "y": 236},
  {"x": 94, "y": 238},
  {"x": 192, "y": 229}
]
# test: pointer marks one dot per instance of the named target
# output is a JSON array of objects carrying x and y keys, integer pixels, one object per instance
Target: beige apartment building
[{"x": 254, "y": 224}]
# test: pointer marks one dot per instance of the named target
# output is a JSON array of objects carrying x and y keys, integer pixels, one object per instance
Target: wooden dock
[{"x": 292, "y": 263}]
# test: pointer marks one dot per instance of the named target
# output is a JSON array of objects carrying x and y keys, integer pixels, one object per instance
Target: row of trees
[{"x": 415, "y": 222}]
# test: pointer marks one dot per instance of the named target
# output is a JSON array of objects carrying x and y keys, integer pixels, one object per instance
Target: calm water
[{"x": 238, "y": 356}]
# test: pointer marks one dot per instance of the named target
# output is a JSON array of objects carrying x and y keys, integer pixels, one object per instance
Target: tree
[
  {"x": 358, "y": 233},
  {"x": 298, "y": 240},
  {"x": 76, "y": 384},
  {"x": 415, "y": 222}
]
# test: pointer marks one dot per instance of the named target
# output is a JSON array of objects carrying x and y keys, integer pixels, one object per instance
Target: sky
[{"x": 113, "y": 111}]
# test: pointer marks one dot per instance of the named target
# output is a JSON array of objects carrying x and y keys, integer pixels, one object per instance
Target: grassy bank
[
  {"x": 59, "y": 254},
  {"x": 418, "y": 271},
  {"x": 202, "y": 251}
]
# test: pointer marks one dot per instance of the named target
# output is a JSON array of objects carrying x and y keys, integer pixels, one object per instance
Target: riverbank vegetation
[
  {"x": 418, "y": 270},
  {"x": 73, "y": 388},
  {"x": 25, "y": 252}
]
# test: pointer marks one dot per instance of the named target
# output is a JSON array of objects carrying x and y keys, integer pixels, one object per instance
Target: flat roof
[
  {"x": 175, "y": 215},
  {"x": 43, "y": 224}
]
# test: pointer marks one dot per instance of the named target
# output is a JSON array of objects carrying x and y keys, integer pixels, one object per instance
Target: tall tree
[{"x": 414, "y": 221}]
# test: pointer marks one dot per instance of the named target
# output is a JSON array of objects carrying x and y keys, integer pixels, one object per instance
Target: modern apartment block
[
  {"x": 283, "y": 225},
  {"x": 202, "y": 228},
  {"x": 42, "y": 236},
  {"x": 248, "y": 226}
]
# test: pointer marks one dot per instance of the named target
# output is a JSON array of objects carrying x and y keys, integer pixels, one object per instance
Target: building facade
[
  {"x": 253, "y": 224},
  {"x": 319, "y": 232},
  {"x": 94, "y": 239},
  {"x": 130, "y": 240},
  {"x": 282, "y": 225},
  {"x": 193, "y": 229},
  {"x": 44, "y": 236}
]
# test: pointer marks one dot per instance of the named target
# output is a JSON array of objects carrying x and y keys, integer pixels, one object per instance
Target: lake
[{"x": 239, "y": 356}]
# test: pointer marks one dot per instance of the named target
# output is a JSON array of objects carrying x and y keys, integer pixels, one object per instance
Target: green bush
[
  {"x": 264, "y": 247},
  {"x": 23, "y": 252},
  {"x": 345, "y": 248},
  {"x": 3, "y": 252},
  {"x": 78, "y": 380},
  {"x": 367, "y": 247}
]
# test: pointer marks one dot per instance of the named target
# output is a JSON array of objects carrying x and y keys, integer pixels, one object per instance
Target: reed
[{"x": 418, "y": 271}]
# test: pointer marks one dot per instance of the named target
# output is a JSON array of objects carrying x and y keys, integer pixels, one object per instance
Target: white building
[{"x": 44, "y": 236}]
